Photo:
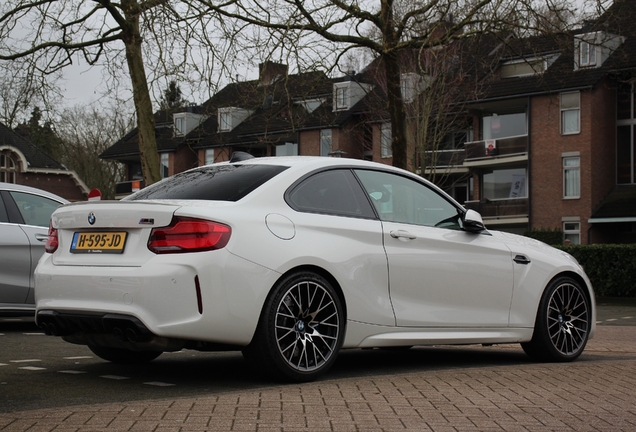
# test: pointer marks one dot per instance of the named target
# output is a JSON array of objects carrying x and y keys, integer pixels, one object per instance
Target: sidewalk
[{"x": 503, "y": 393}]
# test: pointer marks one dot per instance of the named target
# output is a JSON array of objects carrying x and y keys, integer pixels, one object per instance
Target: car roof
[
  {"x": 29, "y": 189},
  {"x": 313, "y": 162}
]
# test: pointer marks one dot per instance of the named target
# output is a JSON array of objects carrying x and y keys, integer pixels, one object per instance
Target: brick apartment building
[{"x": 544, "y": 138}]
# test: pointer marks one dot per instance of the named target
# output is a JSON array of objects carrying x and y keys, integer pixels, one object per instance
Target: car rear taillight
[
  {"x": 51, "y": 242},
  {"x": 189, "y": 235}
]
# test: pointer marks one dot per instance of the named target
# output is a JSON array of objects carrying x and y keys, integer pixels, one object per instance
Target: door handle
[
  {"x": 402, "y": 235},
  {"x": 521, "y": 259},
  {"x": 41, "y": 237}
]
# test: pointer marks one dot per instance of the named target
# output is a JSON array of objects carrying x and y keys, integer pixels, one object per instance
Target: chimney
[{"x": 269, "y": 71}]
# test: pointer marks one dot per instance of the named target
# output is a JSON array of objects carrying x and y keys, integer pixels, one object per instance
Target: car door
[
  {"x": 15, "y": 258},
  {"x": 439, "y": 275},
  {"x": 30, "y": 214}
]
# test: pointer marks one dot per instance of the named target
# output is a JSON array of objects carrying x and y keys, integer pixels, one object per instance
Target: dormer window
[
  {"x": 347, "y": 93},
  {"x": 184, "y": 122},
  {"x": 411, "y": 84},
  {"x": 342, "y": 98},
  {"x": 231, "y": 117},
  {"x": 311, "y": 105},
  {"x": 225, "y": 120},
  {"x": 592, "y": 49},
  {"x": 526, "y": 66},
  {"x": 587, "y": 54},
  {"x": 179, "y": 126}
]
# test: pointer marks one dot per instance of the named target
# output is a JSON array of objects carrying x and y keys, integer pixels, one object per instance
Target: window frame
[
  {"x": 341, "y": 96},
  {"x": 390, "y": 209},
  {"x": 207, "y": 160},
  {"x": 179, "y": 125},
  {"x": 358, "y": 195},
  {"x": 386, "y": 138},
  {"x": 224, "y": 120},
  {"x": 8, "y": 168},
  {"x": 571, "y": 168},
  {"x": 494, "y": 189},
  {"x": 567, "y": 109},
  {"x": 587, "y": 54},
  {"x": 164, "y": 165},
  {"x": 571, "y": 232},
  {"x": 42, "y": 201},
  {"x": 324, "y": 134}
]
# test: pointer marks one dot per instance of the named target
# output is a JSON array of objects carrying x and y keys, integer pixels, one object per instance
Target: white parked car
[
  {"x": 25, "y": 213},
  {"x": 292, "y": 259}
]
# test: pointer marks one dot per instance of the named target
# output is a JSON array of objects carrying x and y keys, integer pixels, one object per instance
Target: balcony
[
  {"x": 123, "y": 189},
  {"x": 512, "y": 146},
  {"x": 444, "y": 158},
  {"x": 500, "y": 208}
]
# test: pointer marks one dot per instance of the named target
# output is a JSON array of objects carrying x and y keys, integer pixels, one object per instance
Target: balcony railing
[
  {"x": 444, "y": 158},
  {"x": 501, "y": 208},
  {"x": 503, "y": 147}
]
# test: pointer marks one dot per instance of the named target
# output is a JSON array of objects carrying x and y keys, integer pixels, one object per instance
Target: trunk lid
[{"x": 108, "y": 233}]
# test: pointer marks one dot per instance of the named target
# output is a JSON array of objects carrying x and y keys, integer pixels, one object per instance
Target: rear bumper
[{"x": 159, "y": 298}]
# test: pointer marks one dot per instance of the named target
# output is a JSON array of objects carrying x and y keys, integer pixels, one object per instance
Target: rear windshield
[{"x": 216, "y": 183}]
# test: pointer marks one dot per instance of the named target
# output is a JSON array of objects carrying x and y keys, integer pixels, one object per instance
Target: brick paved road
[{"x": 498, "y": 391}]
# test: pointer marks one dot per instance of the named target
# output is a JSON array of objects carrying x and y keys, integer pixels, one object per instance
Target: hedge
[
  {"x": 610, "y": 267},
  {"x": 546, "y": 235}
]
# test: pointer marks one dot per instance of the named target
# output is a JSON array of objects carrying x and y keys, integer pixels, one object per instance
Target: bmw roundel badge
[{"x": 91, "y": 218}]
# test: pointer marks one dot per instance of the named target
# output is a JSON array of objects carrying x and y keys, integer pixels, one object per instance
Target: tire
[
  {"x": 301, "y": 329},
  {"x": 124, "y": 356},
  {"x": 563, "y": 323}
]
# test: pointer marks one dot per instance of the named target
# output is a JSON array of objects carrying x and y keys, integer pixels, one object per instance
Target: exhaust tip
[
  {"x": 131, "y": 335},
  {"x": 119, "y": 334}
]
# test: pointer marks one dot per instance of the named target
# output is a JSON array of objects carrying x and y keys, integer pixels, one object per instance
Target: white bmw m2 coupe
[{"x": 291, "y": 259}]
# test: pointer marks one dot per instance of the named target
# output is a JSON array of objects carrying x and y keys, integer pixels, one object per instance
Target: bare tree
[
  {"x": 85, "y": 132},
  {"x": 49, "y": 35},
  {"x": 21, "y": 88}
]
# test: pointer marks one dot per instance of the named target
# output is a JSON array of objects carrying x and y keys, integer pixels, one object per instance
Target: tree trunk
[
  {"x": 397, "y": 114},
  {"x": 143, "y": 105}
]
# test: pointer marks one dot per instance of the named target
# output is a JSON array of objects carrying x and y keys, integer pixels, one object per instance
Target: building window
[
  {"x": 587, "y": 54},
  {"x": 626, "y": 135},
  {"x": 341, "y": 97},
  {"x": 385, "y": 140},
  {"x": 225, "y": 120},
  {"x": 571, "y": 232},
  {"x": 497, "y": 126},
  {"x": 525, "y": 67},
  {"x": 505, "y": 184},
  {"x": 570, "y": 113},
  {"x": 287, "y": 149},
  {"x": 8, "y": 169},
  {"x": 325, "y": 142},
  {"x": 411, "y": 85},
  {"x": 209, "y": 156},
  {"x": 165, "y": 163},
  {"x": 571, "y": 177},
  {"x": 179, "y": 126}
]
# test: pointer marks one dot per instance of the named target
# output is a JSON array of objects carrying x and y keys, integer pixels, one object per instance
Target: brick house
[
  {"x": 23, "y": 163},
  {"x": 278, "y": 114},
  {"x": 543, "y": 134}
]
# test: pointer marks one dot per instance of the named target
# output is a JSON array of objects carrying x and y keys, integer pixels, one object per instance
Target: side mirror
[{"x": 472, "y": 222}]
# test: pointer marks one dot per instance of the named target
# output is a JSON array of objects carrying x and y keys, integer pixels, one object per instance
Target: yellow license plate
[{"x": 98, "y": 242}]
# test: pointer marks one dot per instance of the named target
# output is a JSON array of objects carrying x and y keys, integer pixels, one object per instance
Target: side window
[
  {"x": 400, "y": 199},
  {"x": 4, "y": 217},
  {"x": 331, "y": 192},
  {"x": 35, "y": 210}
]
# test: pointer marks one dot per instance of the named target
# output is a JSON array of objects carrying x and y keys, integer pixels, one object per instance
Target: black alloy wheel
[
  {"x": 563, "y": 322},
  {"x": 301, "y": 329}
]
